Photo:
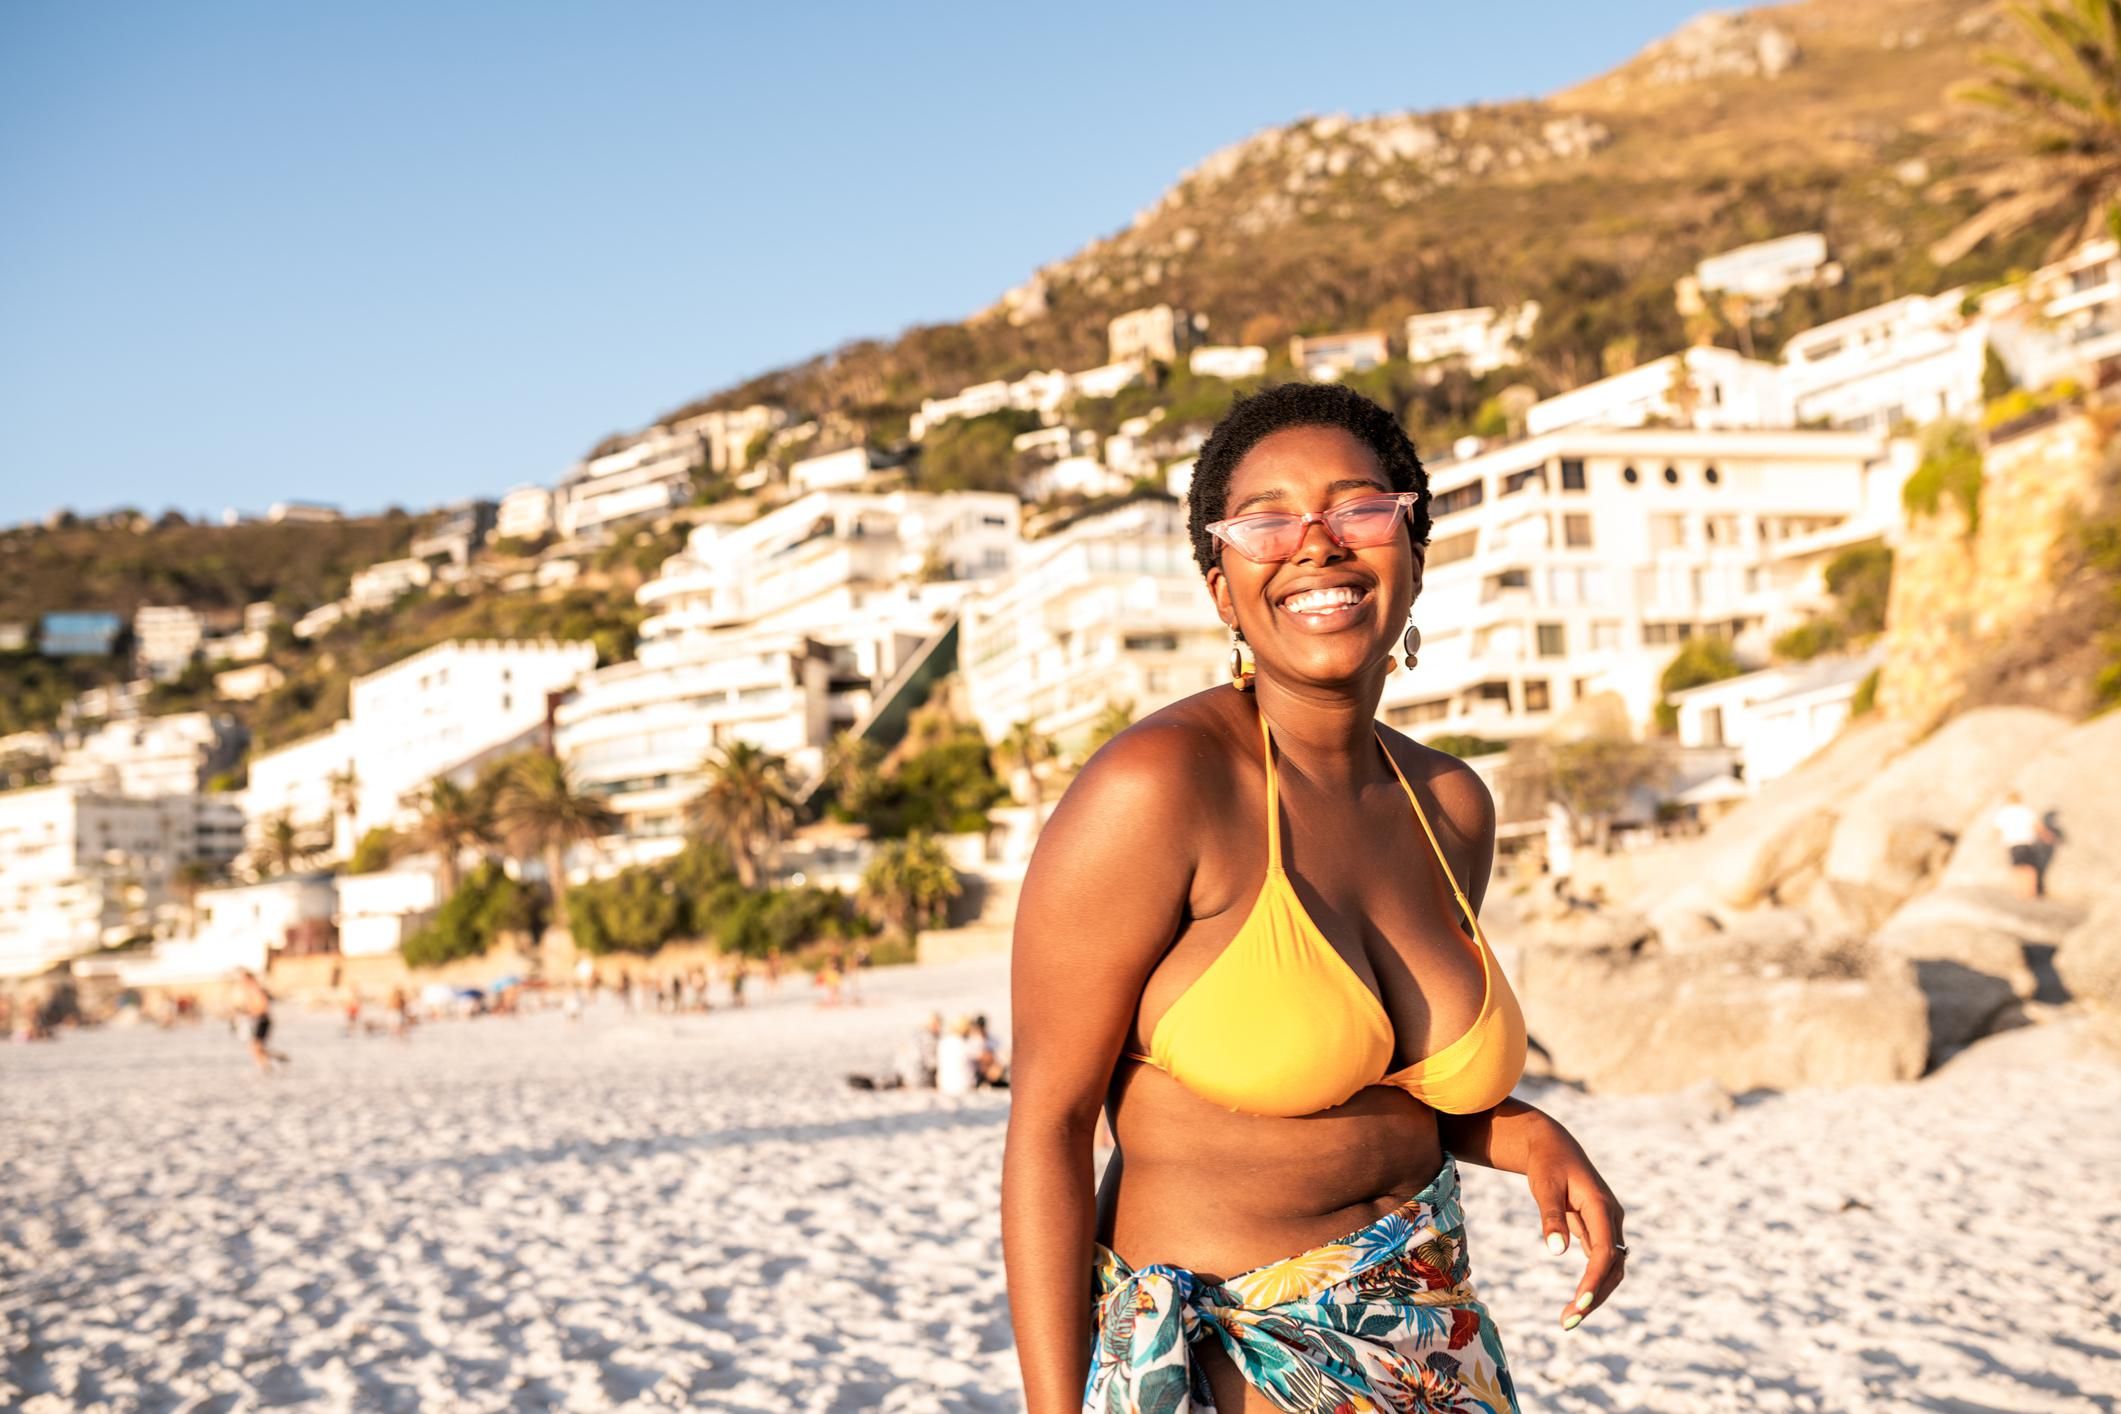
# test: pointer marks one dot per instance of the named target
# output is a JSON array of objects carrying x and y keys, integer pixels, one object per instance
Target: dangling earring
[
  {"x": 1239, "y": 678},
  {"x": 1412, "y": 643}
]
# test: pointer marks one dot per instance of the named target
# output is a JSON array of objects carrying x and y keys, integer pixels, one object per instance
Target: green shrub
[
  {"x": 1808, "y": 640},
  {"x": 373, "y": 851},
  {"x": 945, "y": 789},
  {"x": 1464, "y": 745},
  {"x": 1866, "y": 697},
  {"x": 487, "y": 904},
  {"x": 1704, "y": 658},
  {"x": 1951, "y": 466}
]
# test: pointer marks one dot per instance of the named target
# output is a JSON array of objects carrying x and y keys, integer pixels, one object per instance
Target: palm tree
[
  {"x": 1112, "y": 719},
  {"x": 284, "y": 846},
  {"x": 542, "y": 812},
  {"x": 908, "y": 884},
  {"x": 191, "y": 876},
  {"x": 746, "y": 806},
  {"x": 1025, "y": 748},
  {"x": 345, "y": 799},
  {"x": 851, "y": 767},
  {"x": 2067, "y": 108},
  {"x": 452, "y": 820}
]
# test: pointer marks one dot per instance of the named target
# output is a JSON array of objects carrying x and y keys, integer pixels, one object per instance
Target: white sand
[{"x": 698, "y": 1211}]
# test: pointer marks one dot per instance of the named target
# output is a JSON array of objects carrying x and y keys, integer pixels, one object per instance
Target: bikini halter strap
[{"x": 1266, "y": 738}]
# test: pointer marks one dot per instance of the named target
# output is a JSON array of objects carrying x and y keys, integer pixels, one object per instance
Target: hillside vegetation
[{"x": 1829, "y": 115}]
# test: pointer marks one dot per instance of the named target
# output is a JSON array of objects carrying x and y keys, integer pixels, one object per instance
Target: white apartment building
[
  {"x": 1110, "y": 610},
  {"x": 1716, "y": 389},
  {"x": 778, "y": 633},
  {"x": 146, "y": 756},
  {"x": 1108, "y": 381},
  {"x": 79, "y": 868},
  {"x": 321, "y": 619},
  {"x": 1776, "y": 717},
  {"x": 378, "y": 912},
  {"x": 1158, "y": 333},
  {"x": 249, "y": 682},
  {"x": 525, "y": 513},
  {"x": 1228, "y": 361},
  {"x": 1760, "y": 273},
  {"x": 1073, "y": 476},
  {"x": 2063, "y": 321},
  {"x": 241, "y": 925},
  {"x": 728, "y": 433},
  {"x": 380, "y": 585},
  {"x": 644, "y": 479},
  {"x": 444, "y": 711},
  {"x": 1481, "y": 340},
  {"x": 1577, "y": 563},
  {"x": 979, "y": 400},
  {"x": 1911, "y": 360},
  {"x": 165, "y": 639},
  {"x": 1326, "y": 357},
  {"x": 848, "y": 467}
]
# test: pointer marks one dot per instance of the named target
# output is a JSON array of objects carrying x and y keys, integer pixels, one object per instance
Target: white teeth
[{"x": 1313, "y": 601}]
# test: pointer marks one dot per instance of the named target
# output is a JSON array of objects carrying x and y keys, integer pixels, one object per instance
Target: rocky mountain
[{"x": 1830, "y": 115}]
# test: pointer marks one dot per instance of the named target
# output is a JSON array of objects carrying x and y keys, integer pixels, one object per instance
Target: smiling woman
[{"x": 1244, "y": 936}]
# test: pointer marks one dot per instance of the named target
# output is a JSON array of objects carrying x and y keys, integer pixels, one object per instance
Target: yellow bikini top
[{"x": 1280, "y": 1024}]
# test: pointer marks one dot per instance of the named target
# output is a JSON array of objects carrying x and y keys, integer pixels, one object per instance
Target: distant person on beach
[
  {"x": 987, "y": 1066},
  {"x": 1249, "y": 934},
  {"x": 400, "y": 1013},
  {"x": 254, "y": 1004},
  {"x": 2028, "y": 843},
  {"x": 956, "y": 1073}
]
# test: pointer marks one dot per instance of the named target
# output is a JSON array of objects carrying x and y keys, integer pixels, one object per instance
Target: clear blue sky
[{"x": 384, "y": 253}]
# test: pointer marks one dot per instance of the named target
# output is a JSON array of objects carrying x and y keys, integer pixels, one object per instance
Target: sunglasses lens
[
  {"x": 1266, "y": 537},
  {"x": 1368, "y": 522}
]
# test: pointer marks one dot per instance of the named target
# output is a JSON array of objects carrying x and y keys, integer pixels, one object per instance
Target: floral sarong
[{"x": 1383, "y": 1319}]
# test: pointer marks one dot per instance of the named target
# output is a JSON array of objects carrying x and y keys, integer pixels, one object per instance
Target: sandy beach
[{"x": 647, "y": 1211}]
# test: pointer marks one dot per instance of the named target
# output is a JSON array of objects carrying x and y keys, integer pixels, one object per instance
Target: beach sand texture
[{"x": 654, "y": 1212}]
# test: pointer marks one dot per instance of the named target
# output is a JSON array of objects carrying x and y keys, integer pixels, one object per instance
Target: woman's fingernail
[
  {"x": 1556, "y": 1242},
  {"x": 1572, "y": 1323},
  {"x": 1583, "y": 1302}
]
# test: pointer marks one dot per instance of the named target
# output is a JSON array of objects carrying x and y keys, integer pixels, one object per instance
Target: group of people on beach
[{"x": 951, "y": 1060}]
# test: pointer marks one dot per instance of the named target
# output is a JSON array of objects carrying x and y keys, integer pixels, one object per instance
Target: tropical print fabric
[{"x": 1383, "y": 1319}]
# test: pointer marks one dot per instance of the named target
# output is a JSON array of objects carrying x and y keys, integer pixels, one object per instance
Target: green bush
[
  {"x": 636, "y": 911},
  {"x": 945, "y": 789},
  {"x": 695, "y": 894},
  {"x": 373, "y": 851},
  {"x": 1464, "y": 745},
  {"x": 1704, "y": 658},
  {"x": 1808, "y": 640},
  {"x": 974, "y": 453},
  {"x": 1866, "y": 696},
  {"x": 487, "y": 904},
  {"x": 1951, "y": 466}
]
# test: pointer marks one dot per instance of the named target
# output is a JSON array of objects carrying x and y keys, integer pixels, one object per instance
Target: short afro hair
[{"x": 1252, "y": 420}]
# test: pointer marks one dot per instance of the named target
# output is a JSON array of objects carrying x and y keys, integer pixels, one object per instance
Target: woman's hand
[{"x": 1573, "y": 1199}]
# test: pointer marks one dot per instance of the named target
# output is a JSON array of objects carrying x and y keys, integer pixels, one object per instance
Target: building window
[
  {"x": 1452, "y": 548},
  {"x": 1459, "y": 498},
  {"x": 1630, "y": 475},
  {"x": 1572, "y": 473},
  {"x": 1493, "y": 694},
  {"x": 1605, "y": 635},
  {"x": 1152, "y": 642},
  {"x": 1576, "y": 530},
  {"x": 1553, "y": 640},
  {"x": 1417, "y": 712},
  {"x": 1519, "y": 480},
  {"x": 1711, "y": 475},
  {"x": 1671, "y": 476},
  {"x": 1535, "y": 695},
  {"x": 1667, "y": 532},
  {"x": 1496, "y": 585}
]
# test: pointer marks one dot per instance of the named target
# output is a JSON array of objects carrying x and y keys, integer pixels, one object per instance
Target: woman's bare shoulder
[{"x": 1468, "y": 806}]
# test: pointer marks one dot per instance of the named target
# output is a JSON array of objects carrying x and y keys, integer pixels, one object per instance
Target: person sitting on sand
[
  {"x": 955, "y": 1071},
  {"x": 255, "y": 1003},
  {"x": 987, "y": 1066}
]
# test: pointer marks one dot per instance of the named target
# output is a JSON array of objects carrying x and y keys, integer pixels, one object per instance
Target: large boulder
[
  {"x": 1752, "y": 855},
  {"x": 2089, "y": 959},
  {"x": 1652, "y": 1021},
  {"x": 2071, "y": 783},
  {"x": 1974, "y": 953},
  {"x": 1897, "y": 829}
]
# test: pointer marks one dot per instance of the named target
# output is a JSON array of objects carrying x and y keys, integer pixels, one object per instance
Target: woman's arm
[
  {"x": 1517, "y": 1137},
  {"x": 1102, "y": 900}
]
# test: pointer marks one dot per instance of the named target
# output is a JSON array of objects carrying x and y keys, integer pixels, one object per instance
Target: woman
[{"x": 1248, "y": 934}]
